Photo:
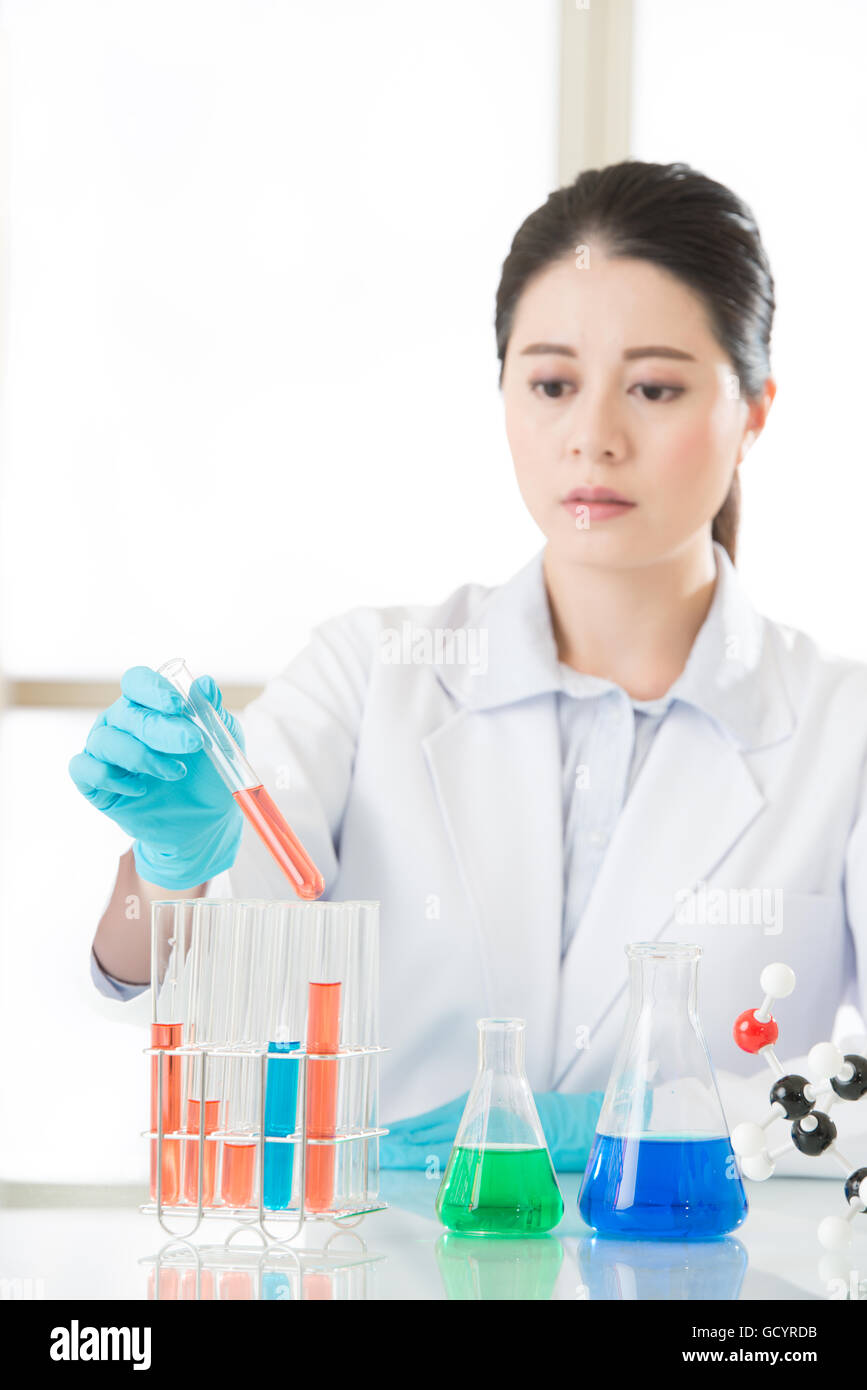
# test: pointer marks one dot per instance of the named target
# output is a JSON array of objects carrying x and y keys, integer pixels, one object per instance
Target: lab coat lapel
[
  {"x": 692, "y": 800},
  {"x": 495, "y": 765},
  {"x": 497, "y": 778}
]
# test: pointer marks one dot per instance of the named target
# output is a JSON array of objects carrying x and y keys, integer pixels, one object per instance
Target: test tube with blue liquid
[{"x": 286, "y": 975}]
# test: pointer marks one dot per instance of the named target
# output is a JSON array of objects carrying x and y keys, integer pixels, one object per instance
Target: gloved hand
[
  {"x": 186, "y": 825},
  {"x": 412, "y": 1143},
  {"x": 569, "y": 1123}
]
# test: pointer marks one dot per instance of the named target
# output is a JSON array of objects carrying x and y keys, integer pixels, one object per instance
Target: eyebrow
[{"x": 630, "y": 355}]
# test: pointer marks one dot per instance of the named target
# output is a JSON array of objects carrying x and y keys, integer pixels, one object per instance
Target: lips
[
  {"x": 597, "y": 494},
  {"x": 592, "y": 504}
]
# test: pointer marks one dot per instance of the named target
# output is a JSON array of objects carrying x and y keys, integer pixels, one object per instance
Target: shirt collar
[{"x": 731, "y": 675}]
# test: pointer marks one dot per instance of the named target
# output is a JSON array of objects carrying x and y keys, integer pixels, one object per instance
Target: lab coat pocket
[
  {"x": 804, "y": 919},
  {"x": 807, "y": 931}
]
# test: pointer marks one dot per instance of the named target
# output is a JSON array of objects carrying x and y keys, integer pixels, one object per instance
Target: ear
[{"x": 759, "y": 408}]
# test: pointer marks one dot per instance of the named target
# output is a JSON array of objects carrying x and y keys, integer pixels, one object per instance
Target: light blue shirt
[
  {"x": 605, "y": 735},
  {"x": 604, "y": 738}
]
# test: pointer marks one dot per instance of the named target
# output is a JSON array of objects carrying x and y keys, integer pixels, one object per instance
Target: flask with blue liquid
[{"x": 662, "y": 1165}]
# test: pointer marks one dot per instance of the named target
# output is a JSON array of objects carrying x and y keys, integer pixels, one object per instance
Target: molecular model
[{"x": 805, "y": 1102}]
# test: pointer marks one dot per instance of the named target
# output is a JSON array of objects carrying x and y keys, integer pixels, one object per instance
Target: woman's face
[{"x": 614, "y": 381}]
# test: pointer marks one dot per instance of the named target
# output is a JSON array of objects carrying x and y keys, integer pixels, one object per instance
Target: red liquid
[
  {"x": 287, "y": 849},
  {"x": 191, "y": 1168},
  {"x": 206, "y": 1285},
  {"x": 166, "y": 1035},
  {"x": 316, "y": 1287},
  {"x": 168, "y": 1285},
  {"x": 170, "y": 1289},
  {"x": 235, "y": 1283},
  {"x": 323, "y": 1035},
  {"x": 239, "y": 1162}
]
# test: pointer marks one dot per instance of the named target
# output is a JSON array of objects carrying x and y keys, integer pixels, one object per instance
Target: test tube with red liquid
[
  {"x": 209, "y": 1166},
  {"x": 323, "y": 1037},
  {"x": 170, "y": 949},
  {"x": 247, "y": 979},
  {"x": 166, "y": 1035},
  {"x": 207, "y": 1009},
  {"x": 244, "y": 784}
]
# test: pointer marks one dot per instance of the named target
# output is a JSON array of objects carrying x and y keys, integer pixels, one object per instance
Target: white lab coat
[{"x": 435, "y": 788}]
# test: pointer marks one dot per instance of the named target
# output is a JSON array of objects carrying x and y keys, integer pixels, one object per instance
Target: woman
[{"x": 597, "y": 751}]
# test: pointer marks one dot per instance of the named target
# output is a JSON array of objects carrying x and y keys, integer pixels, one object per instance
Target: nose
[{"x": 596, "y": 427}]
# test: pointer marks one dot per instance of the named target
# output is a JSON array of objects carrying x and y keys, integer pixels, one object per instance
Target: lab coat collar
[{"x": 731, "y": 675}]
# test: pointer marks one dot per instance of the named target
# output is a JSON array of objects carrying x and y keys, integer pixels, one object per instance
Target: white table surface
[{"x": 108, "y": 1252}]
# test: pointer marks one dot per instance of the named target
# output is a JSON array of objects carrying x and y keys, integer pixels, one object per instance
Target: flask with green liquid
[{"x": 500, "y": 1179}]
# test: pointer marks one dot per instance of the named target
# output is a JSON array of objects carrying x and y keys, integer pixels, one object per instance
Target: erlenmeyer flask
[
  {"x": 500, "y": 1178},
  {"x": 662, "y": 1163}
]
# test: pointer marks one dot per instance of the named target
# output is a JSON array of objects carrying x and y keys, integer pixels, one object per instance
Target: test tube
[
  {"x": 235, "y": 1284},
  {"x": 359, "y": 1029},
  {"x": 169, "y": 1285},
  {"x": 244, "y": 784},
  {"x": 317, "y": 1286},
  {"x": 323, "y": 1038},
  {"x": 323, "y": 1029},
  {"x": 242, "y": 1090},
  {"x": 283, "y": 1030},
  {"x": 171, "y": 971},
  {"x": 212, "y": 921},
  {"x": 166, "y": 1035},
  {"x": 197, "y": 1285}
]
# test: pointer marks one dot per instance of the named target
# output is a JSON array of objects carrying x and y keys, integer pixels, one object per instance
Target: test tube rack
[
  {"x": 193, "y": 1148},
  {"x": 191, "y": 1159}
]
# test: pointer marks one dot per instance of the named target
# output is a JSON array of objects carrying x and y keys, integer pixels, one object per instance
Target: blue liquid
[
  {"x": 274, "y": 1285},
  {"x": 664, "y": 1187},
  {"x": 281, "y": 1097}
]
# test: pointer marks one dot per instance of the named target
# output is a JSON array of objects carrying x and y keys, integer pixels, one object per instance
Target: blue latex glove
[
  {"x": 569, "y": 1122},
  {"x": 145, "y": 767}
]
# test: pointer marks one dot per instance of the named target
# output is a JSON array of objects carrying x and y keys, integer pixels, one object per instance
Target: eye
[
  {"x": 657, "y": 387},
  {"x": 554, "y": 382}
]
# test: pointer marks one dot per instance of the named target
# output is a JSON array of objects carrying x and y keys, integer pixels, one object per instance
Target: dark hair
[{"x": 682, "y": 221}]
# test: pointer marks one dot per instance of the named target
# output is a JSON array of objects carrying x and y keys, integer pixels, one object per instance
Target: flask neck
[
  {"x": 662, "y": 1080},
  {"x": 670, "y": 982},
  {"x": 501, "y": 1045}
]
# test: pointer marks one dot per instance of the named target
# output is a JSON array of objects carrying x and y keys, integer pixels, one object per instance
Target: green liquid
[{"x": 499, "y": 1191}]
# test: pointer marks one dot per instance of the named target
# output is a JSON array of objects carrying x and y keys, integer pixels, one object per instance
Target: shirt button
[{"x": 598, "y": 838}]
